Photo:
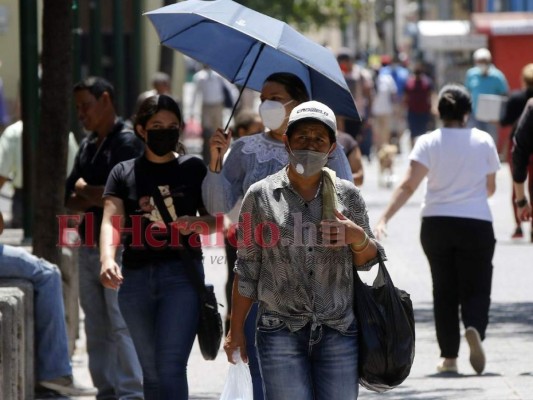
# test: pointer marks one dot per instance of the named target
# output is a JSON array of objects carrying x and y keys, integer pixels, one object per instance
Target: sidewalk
[{"x": 509, "y": 343}]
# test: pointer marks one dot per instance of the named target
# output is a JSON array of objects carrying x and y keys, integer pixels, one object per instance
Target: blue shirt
[{"x": 492, "y": 83}]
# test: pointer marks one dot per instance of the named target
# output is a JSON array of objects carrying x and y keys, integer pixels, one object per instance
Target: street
[{"x": 509, "y": 343}]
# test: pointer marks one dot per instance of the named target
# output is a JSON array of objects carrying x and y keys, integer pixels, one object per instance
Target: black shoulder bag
[{"x": 210, "y": 324}]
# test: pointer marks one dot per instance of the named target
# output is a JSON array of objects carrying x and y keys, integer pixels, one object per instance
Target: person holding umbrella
[
  {"x": 253, "y": 158},
  {"x": 306, "y": 328}
]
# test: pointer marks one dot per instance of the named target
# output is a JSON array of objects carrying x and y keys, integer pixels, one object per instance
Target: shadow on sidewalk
[{"x": 505, "y": 319}]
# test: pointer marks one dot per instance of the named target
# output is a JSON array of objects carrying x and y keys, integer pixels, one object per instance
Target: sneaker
[
  {"x": 447, "y": 367},
  {"x": 65, "y": 385},
  {"x": 518, "y": 234},
  {"x": 477, "y": 355}
]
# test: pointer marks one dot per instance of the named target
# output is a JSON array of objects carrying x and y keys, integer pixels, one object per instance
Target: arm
[
  {"x": 240, "y": 307},
  {"x": 491, "y": 184},
  {"x": 524, "y": 213},
  {"x": 523, "y": 144},
  {"x": 413, "y": 177},
  {"x": 110, "y": 274},
  {"x": 356, "y": 165},
  {"x": 220, "y": 191},
  {"x": 3, "y": 180},
  {"x": 74, "y": 201},
  {"x": 91, "y": 193},
  {"x": 246, "y": 278}
]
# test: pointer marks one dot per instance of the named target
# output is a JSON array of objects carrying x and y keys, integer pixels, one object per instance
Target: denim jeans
[
  {"x": 52, "y": 358},
  {"x": 113, "y": 363},
  {"x": 161, "y": 307},
  {"x": 253, "y": 362},
  {"x": 317, "y": 363}
]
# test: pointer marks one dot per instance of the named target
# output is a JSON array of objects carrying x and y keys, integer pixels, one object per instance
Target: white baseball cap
[
  {"x": 313, "y": 110},
  {"x": 482, "y": 54}
]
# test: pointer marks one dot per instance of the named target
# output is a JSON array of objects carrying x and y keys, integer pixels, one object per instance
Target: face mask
[
  {"x": 484, "y": 68},
  {"x": 162, "y": 141},
  {"x": 308, "y": 162},
  {"x": 273, "y": 113}
]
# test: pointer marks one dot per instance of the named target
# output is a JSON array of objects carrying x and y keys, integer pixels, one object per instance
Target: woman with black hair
[
  {"x": 157, "y": 295},
  {"x": 457, "y": 236}
]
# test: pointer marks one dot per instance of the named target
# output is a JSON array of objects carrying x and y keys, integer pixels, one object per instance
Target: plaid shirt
[{"x": 282, "y": 262}]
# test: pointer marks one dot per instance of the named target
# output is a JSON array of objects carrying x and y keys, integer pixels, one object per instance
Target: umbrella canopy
[{"x": 246, "y": 47}]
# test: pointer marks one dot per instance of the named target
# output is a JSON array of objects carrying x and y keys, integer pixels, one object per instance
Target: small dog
[{"x": 386, "y": 155}]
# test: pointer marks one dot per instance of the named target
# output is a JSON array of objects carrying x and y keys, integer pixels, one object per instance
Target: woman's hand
[
  {"x": 233, "y": 341},
  {"x": 524, "y": 213},
  {"x": 341, "y": 231},
  {"x": 380, "y": 230},
  {"x": 218, "y": 146},
  {"x": 110, "y": 275}
]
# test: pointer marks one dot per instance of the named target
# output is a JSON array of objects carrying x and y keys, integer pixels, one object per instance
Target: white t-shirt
[
  {"x": 11, "y": 153},
  {"x": 459, "y": 160},
  {"x": 385, "y": 89}
]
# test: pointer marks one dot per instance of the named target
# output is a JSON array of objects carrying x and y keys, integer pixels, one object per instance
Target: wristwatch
[{"x": 521, "y": 203}]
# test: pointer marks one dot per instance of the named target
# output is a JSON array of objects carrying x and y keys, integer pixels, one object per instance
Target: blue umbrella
[{"x": 246, "y": 47}]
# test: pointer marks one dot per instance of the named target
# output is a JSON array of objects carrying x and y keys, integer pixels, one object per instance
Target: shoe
[
  {"x": 518, "y": 234},
  {"x": 65, "y": 385},
  {"x": 477, "y": 355},
  {"x": 441, "y": 368}
]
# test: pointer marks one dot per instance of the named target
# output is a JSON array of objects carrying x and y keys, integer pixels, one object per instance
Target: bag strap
[{"x": 183, "y": 250}]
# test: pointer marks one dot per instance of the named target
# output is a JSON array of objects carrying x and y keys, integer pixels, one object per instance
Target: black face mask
[{"x": 162, "y": 141}]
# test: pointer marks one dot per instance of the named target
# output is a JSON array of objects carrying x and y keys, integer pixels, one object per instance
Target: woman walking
[
  {"x": 457, "y": 236},
  {"x": 157, "y": 297}
]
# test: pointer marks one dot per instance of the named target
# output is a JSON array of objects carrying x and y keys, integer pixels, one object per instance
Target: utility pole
[
  {"x": 118, "y": 56},
  {"x": 29, "y": 90},
  {"x": 95, "y": 39}
]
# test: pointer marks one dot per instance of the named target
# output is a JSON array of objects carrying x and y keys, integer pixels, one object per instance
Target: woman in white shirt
[{"x": 457, "y": 235}]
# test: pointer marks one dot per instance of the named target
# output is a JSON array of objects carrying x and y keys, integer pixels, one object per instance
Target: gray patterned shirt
[{"x": 281, "y": 262}]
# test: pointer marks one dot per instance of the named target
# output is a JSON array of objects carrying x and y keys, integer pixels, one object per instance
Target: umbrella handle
[
  {"x": 261, "y": 47},
  {"x": 219, "y": 158}
]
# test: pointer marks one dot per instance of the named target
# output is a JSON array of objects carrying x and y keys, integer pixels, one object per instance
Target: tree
[
  {"x": 306, "y": 14},
  {"x": 51, "y": 154}
]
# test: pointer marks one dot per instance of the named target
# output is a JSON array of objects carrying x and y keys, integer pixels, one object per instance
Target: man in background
[
  {"x": 485, "y": 78},
  {"x": 113, "y": 362},
  {"x": 11, "y": 166}
]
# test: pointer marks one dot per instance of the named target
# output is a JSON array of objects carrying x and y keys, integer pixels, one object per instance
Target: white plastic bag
[{"x": 238, "y": 384}]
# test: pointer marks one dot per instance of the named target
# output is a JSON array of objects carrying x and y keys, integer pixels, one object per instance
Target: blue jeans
[
  {"x": 113, "y": 363},
  {"x": 51, "y": 340},
  {"x": 161, "y": 307},
  {"x": 309, "y": 364},
  {"x": 253, "y": 362}
]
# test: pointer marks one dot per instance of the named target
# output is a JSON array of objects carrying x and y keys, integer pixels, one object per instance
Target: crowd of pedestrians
[{"x": 130, "y": 178}]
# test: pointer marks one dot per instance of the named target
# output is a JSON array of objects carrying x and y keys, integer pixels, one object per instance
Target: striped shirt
[{"x": 282, "y": 263}]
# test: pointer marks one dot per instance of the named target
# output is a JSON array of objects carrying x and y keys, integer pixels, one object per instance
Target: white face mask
[
  {"x": 483, "y": 67},
  {"x": 273, "y": 113}
]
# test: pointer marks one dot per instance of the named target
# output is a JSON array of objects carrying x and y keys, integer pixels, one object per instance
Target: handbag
[
  {"x": 386, "y": 325},
  {"x": 209, "y": 331}
]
